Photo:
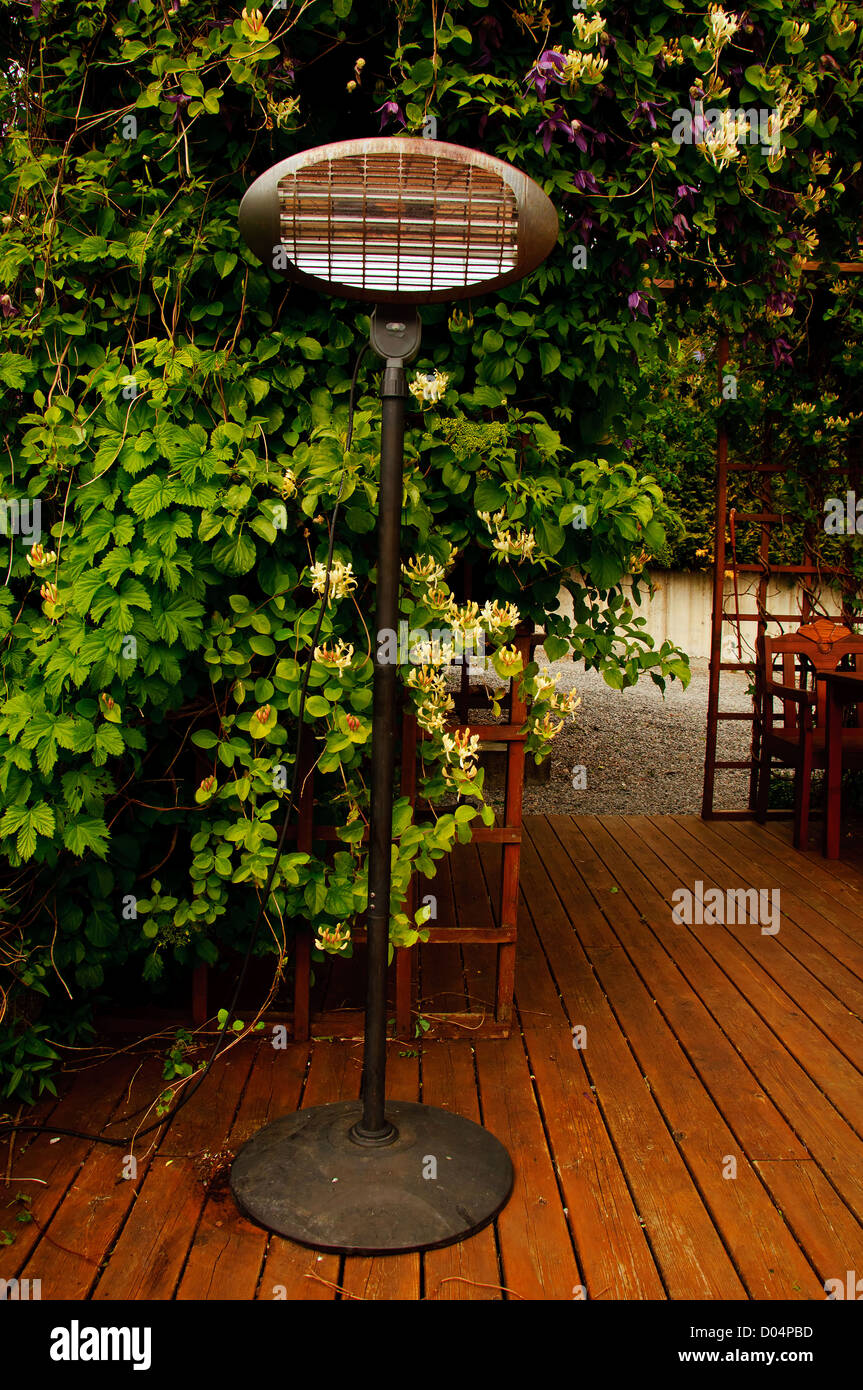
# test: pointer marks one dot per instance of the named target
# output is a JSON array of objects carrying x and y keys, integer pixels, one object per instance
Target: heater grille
[{"x": 410, "y": 222}]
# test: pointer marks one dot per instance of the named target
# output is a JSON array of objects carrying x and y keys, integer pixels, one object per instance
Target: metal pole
[{"x": 373, "y": 1127}]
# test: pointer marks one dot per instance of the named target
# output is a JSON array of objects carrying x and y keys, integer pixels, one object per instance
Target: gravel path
[{"x": 643, "y": 753}]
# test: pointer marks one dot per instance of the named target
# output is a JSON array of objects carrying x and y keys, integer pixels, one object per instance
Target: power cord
[{"x": 201, "y": 1078}]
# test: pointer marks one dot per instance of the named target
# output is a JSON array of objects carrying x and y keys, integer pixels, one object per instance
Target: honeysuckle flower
[
  {"x": 509, "y": 658},
  {"x": 429, "y": 388},
  {"x": 589, "y": 30},
  {"x": 288, "y": 484},
  {"x": 342, "y": 580},
  {"x": 38, "y": 556},
  {"x": 721, "y": 26},
  {"x": 334, "y": 938},
  {"x": 594, "y": 67},
  {"x": 718, "y": 142},
  {"x": 425, "y": 678},
  {"x": 568, "y": 702},
  {"x": 341, "y": 655},
  {"x": 462, "y": 747},
  {"x": 467, "y": 616},
  {"x": 423, "y": 570},
  {"x": 500, "y": 617}
]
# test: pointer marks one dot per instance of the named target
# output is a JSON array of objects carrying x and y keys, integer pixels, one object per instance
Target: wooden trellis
[
  {"x": 764, "y": 518},
  {"x": 306, "y": 834}
]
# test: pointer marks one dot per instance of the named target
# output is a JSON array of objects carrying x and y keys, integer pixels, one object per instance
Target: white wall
[{"x": 680, "y": 609}]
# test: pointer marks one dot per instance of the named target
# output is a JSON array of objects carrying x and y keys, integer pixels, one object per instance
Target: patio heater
[{"x": 396, "y": 222}]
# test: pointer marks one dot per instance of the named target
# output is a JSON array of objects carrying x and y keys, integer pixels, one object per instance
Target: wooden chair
[{"x": 798, "y": 741}]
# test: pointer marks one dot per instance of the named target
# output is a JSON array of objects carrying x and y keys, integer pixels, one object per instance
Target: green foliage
[{"x": 179, "y": 414}]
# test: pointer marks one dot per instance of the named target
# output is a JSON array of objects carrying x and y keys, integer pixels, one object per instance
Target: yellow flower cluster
[
  {"x": 431, "y": 388},
  {"x": 333, "y": 938},
  {"x": 341, "y": 655},
  {"x": 582, "y": 65},
  {"x": 423, "y": 570},
  {"x": 435, "y": 702},
  {"x": 500, "y": 617},
  {"x": 521, "y": 542},
  {"x": 342, "y": 579},
  {"x": 38, "y": 556},
  {"x": 462, "y": 748},
  {"x": 289, "y": 484},
  {"x": 589, "y": 31},
  {"x": 720, "y": 27}
]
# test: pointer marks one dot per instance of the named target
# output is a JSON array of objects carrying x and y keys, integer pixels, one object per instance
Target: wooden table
[{"x": 843, "y": 688}]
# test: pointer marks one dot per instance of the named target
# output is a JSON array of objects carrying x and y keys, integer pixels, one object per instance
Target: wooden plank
[
  {"x": 830, "y": 993},
  {"x": 684, "y": 1240},
  {"x": 610, "y": 1242},
  {"x": 291, "y": 1271},
  {"x": 536, "y": 1251},
  {"x": 765, "y": 1255},
  {"x": 846, "y": 874},
  {"x": 827, "y": 1136},
  {"x": 805, "y": 1015},
  {"x": 760, "y": 1126},
  {"x": 820, "y": 1220},
  {"x": 149, "y": 1255},
  {"x": 228, "y": 1253},
  {"x": 78, "y": 1237},
  {"x": 830, "y": 885},
  {"x": 825, "y": 918},
  {"x": 389, "y": 1277},
  {"x": 468, "y": 1270},
  {"x": 91, "y": 1100}
]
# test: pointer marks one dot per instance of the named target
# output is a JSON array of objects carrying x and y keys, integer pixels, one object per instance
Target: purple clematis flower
[
  {"x": 391, "y": 111},
  {"x": 638, "y": 304},
  {"x": 686, "y": 194},
  {"x": 7, "y": 308},
  {"x": 489, "y": 35},
  {"x": 556, "y": 122},
  {"x": 781, "y": 349},
  {"x": 36, "y": 8},
  {"x": 646, "y": 109},
  {"x": 180, "y": 99},
  {"x": 584, "y": 181},
  {"x": 548, "y": 68},
  {"x": 780, "y": 301}
]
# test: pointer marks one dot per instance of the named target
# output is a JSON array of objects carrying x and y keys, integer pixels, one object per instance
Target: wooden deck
[{"x": 705, "y": 1143}]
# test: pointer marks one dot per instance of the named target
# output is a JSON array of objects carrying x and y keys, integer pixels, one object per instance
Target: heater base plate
[{"x": 441, "y": 1180}]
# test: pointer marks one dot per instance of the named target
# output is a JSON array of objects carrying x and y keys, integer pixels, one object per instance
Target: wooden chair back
[{"x": 795, "y": 658}]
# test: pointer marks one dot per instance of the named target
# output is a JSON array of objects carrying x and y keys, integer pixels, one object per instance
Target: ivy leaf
[{"x": 233, "y": 554}]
